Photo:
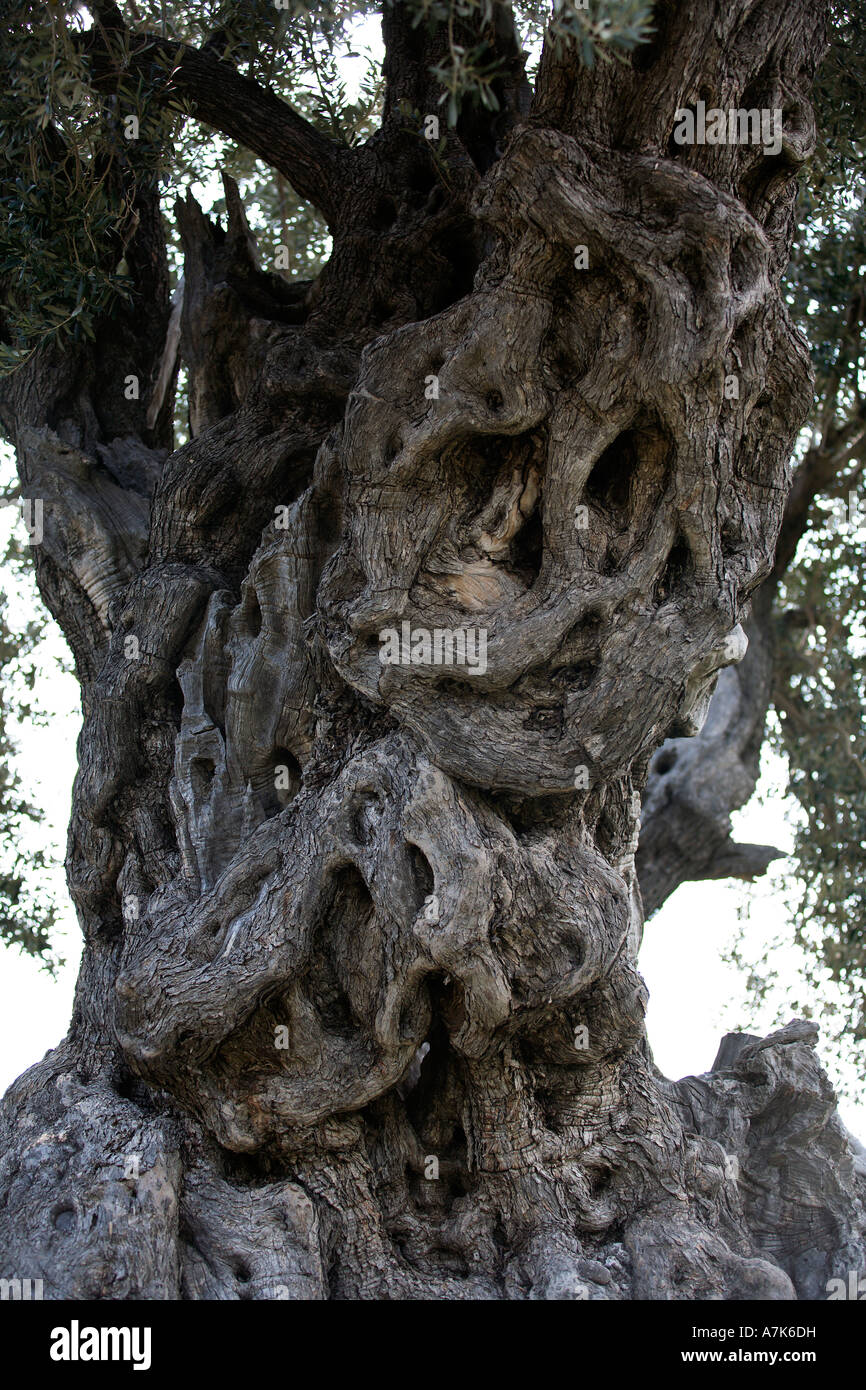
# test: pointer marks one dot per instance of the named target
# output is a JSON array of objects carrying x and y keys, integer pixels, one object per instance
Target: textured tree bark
[
  {"x": 694, "y": 785},
  {"x": 359, "y": 1014}
]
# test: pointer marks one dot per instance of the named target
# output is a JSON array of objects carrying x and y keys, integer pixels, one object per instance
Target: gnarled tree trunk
[{"x": 359, "y": 1014}]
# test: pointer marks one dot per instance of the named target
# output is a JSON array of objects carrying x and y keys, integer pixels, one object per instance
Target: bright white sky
[{"x": 695, "y": 997}]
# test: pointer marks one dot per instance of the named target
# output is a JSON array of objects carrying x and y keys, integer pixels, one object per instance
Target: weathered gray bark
[
  {"x": 428, "y": 907},
  {"x": 694, "y": 785}
]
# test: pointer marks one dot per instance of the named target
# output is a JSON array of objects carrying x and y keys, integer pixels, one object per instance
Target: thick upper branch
[
  {"x": 414, "y": 51},
  {"x": 217, "y": 94}
]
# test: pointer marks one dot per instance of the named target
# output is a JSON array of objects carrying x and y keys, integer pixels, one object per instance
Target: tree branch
[
  {"x": 413, "y": 51},
  {"x": 216, "y": 94}
]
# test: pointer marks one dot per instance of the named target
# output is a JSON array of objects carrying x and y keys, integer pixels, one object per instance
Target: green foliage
[
  {"x": 28, "y": 905},
  {"x": 839, "y": 105},
  {"x": 601, "y": 31},
  {"x": 820, "y": 684},
  {"x": 598, "y": 29},
  {"x": 65, "y": 186},
  {"x": 824, "y": 733},
  {"x": 821, "y": 729}
]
